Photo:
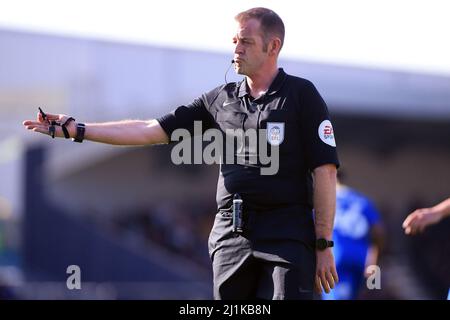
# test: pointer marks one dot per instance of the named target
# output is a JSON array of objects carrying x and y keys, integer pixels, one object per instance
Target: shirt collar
[{"x": 274, "y": 87}]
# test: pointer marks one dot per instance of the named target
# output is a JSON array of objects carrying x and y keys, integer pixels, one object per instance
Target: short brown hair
[{"x": 271, "y": 23}]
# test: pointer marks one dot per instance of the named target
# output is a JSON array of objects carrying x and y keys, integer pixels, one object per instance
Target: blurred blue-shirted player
[{"x": 357, "y": 236}]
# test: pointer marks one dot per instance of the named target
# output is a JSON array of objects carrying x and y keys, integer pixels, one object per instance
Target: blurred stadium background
[{"x": 136, "y": 224}]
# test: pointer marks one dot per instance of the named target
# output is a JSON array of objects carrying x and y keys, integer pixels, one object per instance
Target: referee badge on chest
[{"x": 275, "y": 133}]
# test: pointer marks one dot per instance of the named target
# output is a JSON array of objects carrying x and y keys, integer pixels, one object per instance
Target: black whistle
[
  {"x": 44, "y": 116},
  {"x": 238, "y": 226}
]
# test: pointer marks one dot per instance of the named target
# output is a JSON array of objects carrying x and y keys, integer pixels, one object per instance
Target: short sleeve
[
  {"x": 184, "y": 117},
  {"x": 317, "y": 129}
]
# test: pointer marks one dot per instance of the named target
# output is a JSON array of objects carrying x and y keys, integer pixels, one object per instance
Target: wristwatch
[
  {"x": 322, "y": 244},
  {"x": 80, "y": 133}
]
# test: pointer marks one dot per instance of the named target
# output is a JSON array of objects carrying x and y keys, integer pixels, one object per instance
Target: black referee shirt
[{"x": 300, "y": 116}]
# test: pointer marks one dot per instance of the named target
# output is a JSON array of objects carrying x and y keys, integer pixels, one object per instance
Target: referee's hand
[
  {"x": 326, "y": 274},
  {"x": 42, "y": 125}
]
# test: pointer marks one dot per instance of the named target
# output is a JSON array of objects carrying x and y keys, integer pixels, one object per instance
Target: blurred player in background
[
  {"x": 358, "y": 240},
  {"x": 418, "y": 220}
]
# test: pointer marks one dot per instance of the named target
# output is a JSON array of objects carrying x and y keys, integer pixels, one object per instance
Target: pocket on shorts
[{"x": 222, "y": 229}]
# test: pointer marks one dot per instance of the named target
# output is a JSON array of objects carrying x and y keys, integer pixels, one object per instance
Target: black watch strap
[
  {"x": 81, "y": 128},
  {"x": 322, "y": 244}
]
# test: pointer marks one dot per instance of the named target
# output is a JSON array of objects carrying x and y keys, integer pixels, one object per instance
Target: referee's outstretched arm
[{"x": 126, "y": 132}]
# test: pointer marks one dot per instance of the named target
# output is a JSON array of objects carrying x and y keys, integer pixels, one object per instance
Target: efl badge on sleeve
[
  {"x": 275, "y": 133},
  {"x": 326, "y": 133}
]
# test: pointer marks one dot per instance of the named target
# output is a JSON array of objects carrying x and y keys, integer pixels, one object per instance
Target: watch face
[{"x": 321, "y": 244}]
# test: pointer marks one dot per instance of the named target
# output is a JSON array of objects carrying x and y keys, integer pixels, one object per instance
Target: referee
[{"x": 281, "y": 250}]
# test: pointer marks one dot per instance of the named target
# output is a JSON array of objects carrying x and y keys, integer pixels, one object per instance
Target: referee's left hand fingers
[
  {"x": 330, "y": 279},
  {"x": 334, "y": 274},
  {"x": 318, "y": 285},
  {"x": 324, "y": 281}
]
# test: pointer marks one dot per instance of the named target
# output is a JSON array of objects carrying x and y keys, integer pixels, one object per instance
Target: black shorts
[{"x": 263, "y": 269}]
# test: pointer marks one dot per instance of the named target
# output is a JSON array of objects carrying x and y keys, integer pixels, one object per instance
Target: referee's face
[{"x": 249, "y": 53}]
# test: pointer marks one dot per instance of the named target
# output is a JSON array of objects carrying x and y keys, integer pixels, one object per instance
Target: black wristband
[
  {"x": 64, "y": 129},
  {"x": 80, "y": 133},
  {"x": 51, "y": 131}
]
